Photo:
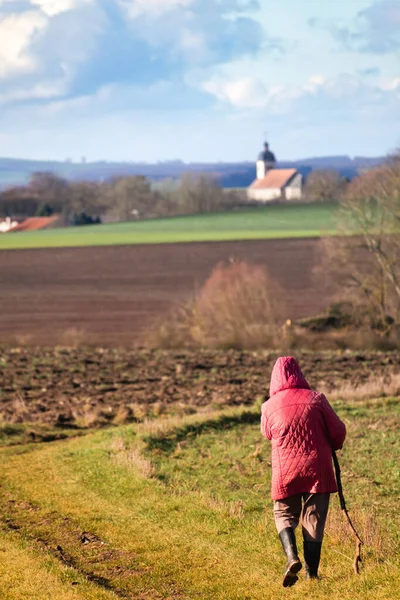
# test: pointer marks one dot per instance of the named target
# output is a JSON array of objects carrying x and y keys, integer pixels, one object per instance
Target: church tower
[{"x": 266, "y": 161}]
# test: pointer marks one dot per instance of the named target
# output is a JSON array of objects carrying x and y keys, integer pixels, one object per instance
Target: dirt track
[{"x": 110, "y": 294}]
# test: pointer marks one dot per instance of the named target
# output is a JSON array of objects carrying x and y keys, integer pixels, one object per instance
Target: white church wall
[
  {"x": 266, "y": 195},
  {"x": 294, "y": 191}
]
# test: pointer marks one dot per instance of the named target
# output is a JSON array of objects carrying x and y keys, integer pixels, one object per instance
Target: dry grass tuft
[
  {"x": 88, "y": 419},
  {"x": 123, "y": 415},
  {"x": 375, "y": 387},
  {"x": 233, "y": 509},
  {"x": 298, "y": 337},
  {"x": 140, "y": 412},
  {"x": 24, "y": 339},
  {"x": 236, "y": 509},
  {"x": 368, "y": 527},
  {"x": 142, "y": 465},
  {"x": 133, "y": 457},
  {"x": 73, "y": 338}
]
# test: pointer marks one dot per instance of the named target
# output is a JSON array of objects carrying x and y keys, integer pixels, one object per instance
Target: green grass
[
  {"x": 180, "y": 508},
  {"x": 28, "y": 573},
  {"x": 273, "y": 222}
]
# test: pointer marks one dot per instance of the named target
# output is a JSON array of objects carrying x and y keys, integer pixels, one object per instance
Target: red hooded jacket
[{"x": 304, "y": 429}]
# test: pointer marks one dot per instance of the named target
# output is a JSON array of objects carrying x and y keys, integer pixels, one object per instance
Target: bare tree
[
  {"x": 325, "y": 185},
  {"x": 87, "y": 197},
  {"x": 50, "y": 189},
  {"x": 131, "y": 198},
  {"x": 18, "y": 202},
  {"x": 365, "y": 260},
  {"x": 198, "y": 193}
]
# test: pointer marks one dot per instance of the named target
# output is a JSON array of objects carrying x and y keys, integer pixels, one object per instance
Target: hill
[{"x": 241, "y": 174}]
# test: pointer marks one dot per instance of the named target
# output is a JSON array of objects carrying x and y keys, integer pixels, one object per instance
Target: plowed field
[
  {"x": 109, "y": 295},
  {"x": 80, "y": 389}
]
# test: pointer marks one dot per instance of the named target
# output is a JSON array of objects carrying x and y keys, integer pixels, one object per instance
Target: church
[{"x": 272, "y": 184}]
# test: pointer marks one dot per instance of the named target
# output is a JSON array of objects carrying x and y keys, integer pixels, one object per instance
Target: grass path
[
  {"x": 272, "y": 222},
  {"x": 26, "y": 572},
  {"x": 181, "y": 510}
]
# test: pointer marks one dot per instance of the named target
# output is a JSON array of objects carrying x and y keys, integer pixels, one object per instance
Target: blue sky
[{"x": 148, "y": 80}]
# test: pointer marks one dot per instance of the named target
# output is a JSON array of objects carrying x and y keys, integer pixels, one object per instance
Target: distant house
[
  {"x": 7, "y": 225},
  {"x": 275, "y": 184},
  {"x": 35, "y": 224}
]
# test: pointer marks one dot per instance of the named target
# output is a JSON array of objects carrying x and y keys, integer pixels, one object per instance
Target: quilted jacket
[{"x": 304, "y": 429}]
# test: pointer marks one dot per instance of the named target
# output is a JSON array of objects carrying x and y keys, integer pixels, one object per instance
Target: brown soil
[
  {"x": 83, "y": 388},
  {"x": 110, "y": 295}
]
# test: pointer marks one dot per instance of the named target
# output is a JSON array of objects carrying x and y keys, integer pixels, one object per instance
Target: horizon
[{"x": 89, "y": 161}]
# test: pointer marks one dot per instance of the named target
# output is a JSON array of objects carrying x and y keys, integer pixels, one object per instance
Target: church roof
[{"x": 275, "y": 178}]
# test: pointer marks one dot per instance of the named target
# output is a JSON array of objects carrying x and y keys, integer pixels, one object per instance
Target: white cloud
[
  {"x": 191, "y": 41},
  {"x": 137, "y": 8},
  {"x": 340, "y": 93},
  {"x": 41, "y": 50},
  {"x": 44, "y": 90},
  {"x": 392, "y": 85},
  {"x": 252, "y": 93},
  {"x": 55, "y": 7},
  {"x": 16, "y": 33},
  {"x": 91, "y": 43},
  {"x": 246, "y": 92},
  {"x": 314, "y": 83}
]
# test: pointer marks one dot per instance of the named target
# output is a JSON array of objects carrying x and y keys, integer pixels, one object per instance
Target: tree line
[
  {"x": 136, "y": 197},
  {"x": 120, "y": 199}
]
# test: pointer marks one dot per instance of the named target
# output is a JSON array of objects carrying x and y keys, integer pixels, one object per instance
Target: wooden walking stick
[{"x": 359, "y": 543}]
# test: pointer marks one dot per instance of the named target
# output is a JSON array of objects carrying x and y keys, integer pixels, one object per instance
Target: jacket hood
[{"x": 286, "y": 375}]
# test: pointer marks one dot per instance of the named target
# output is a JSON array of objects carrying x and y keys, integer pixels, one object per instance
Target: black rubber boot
[
  {"x": 312, "y": 556},
  {"x": 293, "y": 564}
]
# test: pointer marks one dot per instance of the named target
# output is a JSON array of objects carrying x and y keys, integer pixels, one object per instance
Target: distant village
[{"x": 49, "y": 200}]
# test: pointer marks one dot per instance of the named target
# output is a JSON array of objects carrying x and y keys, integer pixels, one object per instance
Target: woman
[{"x": 304, "y": 429}]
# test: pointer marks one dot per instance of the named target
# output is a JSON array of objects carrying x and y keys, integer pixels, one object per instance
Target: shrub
[
  {"x": 236, "y": 308},
  {"x": 325, "y": 185}
]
